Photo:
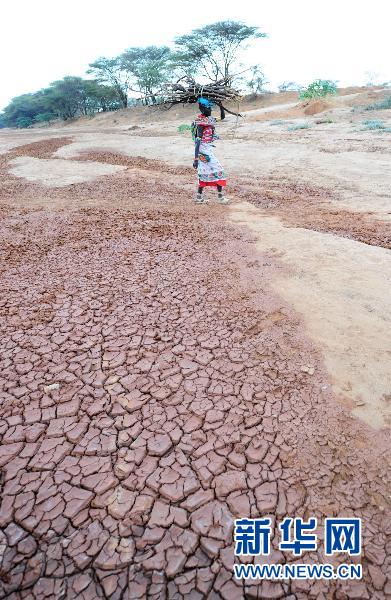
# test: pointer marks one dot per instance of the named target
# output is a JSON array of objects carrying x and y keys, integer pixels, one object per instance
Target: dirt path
[
  {"x": 346, "y": 312},
  {"x": 155, "y": 387}
]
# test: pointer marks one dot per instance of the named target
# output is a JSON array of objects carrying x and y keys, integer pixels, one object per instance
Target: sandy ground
[
  {"x": 346, "y": 310},
  {"x": 53, "y": 172},
  {"x": 166, "y": 368},
  {"x": 363, "y": 180}
]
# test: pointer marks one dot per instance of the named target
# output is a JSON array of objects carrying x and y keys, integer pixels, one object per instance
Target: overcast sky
[{"x": 44, "y": 40}]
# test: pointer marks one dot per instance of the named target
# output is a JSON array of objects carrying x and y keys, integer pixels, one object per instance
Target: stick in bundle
[{"x": 189, "y": 92}]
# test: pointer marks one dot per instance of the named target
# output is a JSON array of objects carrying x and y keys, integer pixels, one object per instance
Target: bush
[
  {"x": 383, "y": 105},
  {"x": 44, "y": 117},
  {"x": 374, "y": 124},
  {"x": 319, "y": 89},
  {"x": 277, "y": 122},
  {"x": 24, "y": 122},
  {"x": 298, "y": 126},
  {"x": 183, "y": 128}
]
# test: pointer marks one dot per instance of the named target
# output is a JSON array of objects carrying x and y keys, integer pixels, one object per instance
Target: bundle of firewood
[{"x": 187, "y": 91}]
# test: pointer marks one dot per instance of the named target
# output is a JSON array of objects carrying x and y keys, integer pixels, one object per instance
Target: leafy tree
[
  {"x": 2, "y": 121},
  {"x": 213, "y": 50},
  {"x": 149, "y": 68},
  {"x": 24, "y": 106},
  {"x": 67, "y": 97},
  {"x": 111, "y": 71},
  {"x": 318, "y": 89},
  {"x": 74, "y": 96},
  {"x": 101, "y": 98}
]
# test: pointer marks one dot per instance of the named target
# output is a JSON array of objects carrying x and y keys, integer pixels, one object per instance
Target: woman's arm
[{"x": 197, "y": 145}]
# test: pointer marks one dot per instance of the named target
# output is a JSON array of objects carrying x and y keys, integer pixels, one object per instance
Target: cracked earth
[{"x": 154, "y": 388}]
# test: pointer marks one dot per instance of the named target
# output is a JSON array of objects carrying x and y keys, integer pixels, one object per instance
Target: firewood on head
[{"x": 188, "y": 92}]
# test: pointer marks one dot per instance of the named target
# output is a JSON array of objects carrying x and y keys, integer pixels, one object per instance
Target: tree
[
  {"x": 371, "y": 76},
  {"x": 257, "y": 80},
  {"x": 149, "y": 67},
  {"x": 67, "y": 97},
  {"x": 25, "y": 106},
  {"x": 2, "y": 121},
  {"x": 100, "y": 98},
  {"x": 74, "y": 96},
  {"x": 213, "y": 50},
  {"x": 111, "y": 71},
  {"x": 289, "y": 86}
]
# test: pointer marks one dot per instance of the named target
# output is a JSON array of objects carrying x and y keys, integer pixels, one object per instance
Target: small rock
[
  {"x": 51, "y": 387},
  {"x": 307, "y": 369}
]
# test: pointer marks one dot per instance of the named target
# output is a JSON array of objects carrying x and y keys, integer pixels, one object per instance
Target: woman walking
[{"x": 210, "y": 171}]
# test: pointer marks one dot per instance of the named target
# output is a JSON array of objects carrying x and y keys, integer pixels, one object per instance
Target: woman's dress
[{"x": 210, "y": 171}]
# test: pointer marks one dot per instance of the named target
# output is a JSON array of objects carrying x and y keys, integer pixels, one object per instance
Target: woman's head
[{"x": 205, "y": 106}]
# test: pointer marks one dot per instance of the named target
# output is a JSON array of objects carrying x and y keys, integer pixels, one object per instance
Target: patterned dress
[{"x": 210, "y": 171}]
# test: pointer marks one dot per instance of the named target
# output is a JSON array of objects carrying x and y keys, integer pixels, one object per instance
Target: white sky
[{"x": 44, "y": 40}]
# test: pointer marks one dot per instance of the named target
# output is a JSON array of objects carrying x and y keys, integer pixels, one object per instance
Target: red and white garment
[{"x": 210, "y": 171}]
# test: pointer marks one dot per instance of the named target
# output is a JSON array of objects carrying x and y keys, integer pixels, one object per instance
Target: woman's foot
[
  {"x": 200, "y": 199},
  {"x": 222, "y": 199}
]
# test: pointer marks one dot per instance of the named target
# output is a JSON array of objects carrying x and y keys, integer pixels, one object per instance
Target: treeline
[
  {"x": 138, "y": 75},
  {"x": 65, "y": 99}
]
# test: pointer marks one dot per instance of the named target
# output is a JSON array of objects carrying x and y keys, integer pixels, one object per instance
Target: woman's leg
[
  {"x": 199, "y": 197},
  {"x": 220, "y": 195}
]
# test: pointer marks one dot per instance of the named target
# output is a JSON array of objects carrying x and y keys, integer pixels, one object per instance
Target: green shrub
[
  {"x": 374, "y": 124},
  {"x": 44, "y": 117},
  {"x": 298, "y": 126},
  {"x": 183, "y": 128},
  {"x": 383, "y": 105},
  {"x": 277, "y": 122},
  {"x": 318, "y": 89},
  {"x": 23, "y": 122}
]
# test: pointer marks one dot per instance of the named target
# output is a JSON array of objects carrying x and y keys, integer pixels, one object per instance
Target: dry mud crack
[{"x": 154, "y": 388}]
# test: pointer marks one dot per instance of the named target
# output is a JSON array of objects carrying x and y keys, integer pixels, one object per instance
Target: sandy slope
[{"x": 341, "y": 288}]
